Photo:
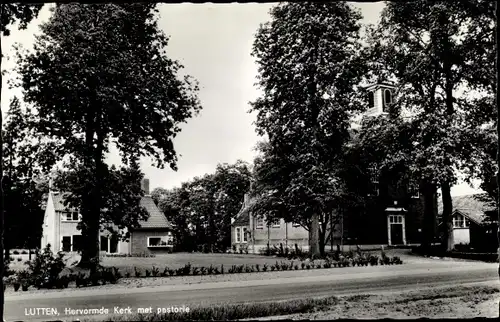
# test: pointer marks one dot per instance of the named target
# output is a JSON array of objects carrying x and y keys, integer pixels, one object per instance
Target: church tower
[{"x": 379, "y": 98}]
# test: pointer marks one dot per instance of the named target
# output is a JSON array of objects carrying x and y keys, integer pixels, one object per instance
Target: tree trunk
[
  {"x": 91, "y": 205},
  {"x": 429, "y": 193},
  {"x": 314, "y": 232},
  {"x": 446, "y": 222}
]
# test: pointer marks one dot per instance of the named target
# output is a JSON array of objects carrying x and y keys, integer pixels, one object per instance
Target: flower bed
[
  {"x": 144, "y": 255},
  {"x": 307, "y": 264}
]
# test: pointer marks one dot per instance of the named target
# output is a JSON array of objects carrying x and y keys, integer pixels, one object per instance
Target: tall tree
[
  {"x": 98, "y": 75},
  {"x": 308, "y": 70},
  {"x": 435, "y": 49},
  {"x": 10, "y": 14},
  {"x": 24, "y": 180},
  {"x": 342, "y": 192},
  {"x": 201, "y": 209},
  {"x": 174, "y": 204}
]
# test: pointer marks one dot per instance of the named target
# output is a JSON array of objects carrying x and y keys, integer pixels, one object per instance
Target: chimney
[{"x": 145, "y": 186}]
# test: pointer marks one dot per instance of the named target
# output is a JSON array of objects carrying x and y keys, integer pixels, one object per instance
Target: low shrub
[
  {"x": 155, "y": 271},
  {"x": 137, "y": 272},
  {"x": 16, "y": 252},
  {"x": 24, "y": 252},
  {"x": 19, "y": 259}
]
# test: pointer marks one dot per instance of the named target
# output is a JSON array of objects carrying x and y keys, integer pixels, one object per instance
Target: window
[
  {"x": 413, "y": 190},
  {"x": 71, "y": 216},
  {"x": 238, "y": 234},
  {"x": 104, "y": 244},
  {"x": 458, "y": 221},
  {"x": 77, "y": 243},
  {"x": 276, "y": 223},
  {"x": 387, "y": 97},
  {"x": 371, "y": 99},
  {"x": 160, "y": 241},
  {"x": 395, "y": 219},
  {"x": 259, "y": 223},
  {"x": 245, "y": 234},
  {"x": 66, "y": 243}
]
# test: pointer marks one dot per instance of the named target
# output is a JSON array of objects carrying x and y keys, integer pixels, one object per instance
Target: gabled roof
[
  {"x": 380, "y": 84},
  {"x": 471, "y": 206},
  {"x": 58, "y": 199},
  {"x": 243, "y": 216},
  {"x": 156, "y": 217}
]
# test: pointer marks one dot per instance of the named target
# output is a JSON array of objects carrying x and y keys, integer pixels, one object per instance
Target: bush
[
  {"x": 24, "y": 252},
  {"x": 19, "y": 259},
  {"x": 16, "y": 252},
  {"x": 137, "y": 272},
  {"x": 155, "y": 272},
  {"x": 45, "y": 268}
]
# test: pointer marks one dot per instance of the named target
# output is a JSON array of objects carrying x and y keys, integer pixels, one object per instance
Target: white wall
[{"x": 48, "y": 229}]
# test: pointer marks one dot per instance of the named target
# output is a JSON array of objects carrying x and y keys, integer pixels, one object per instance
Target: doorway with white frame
[{"x": 396, "y": 226}]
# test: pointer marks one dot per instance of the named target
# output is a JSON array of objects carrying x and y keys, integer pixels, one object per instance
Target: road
[{"x": 349, "y": 281}]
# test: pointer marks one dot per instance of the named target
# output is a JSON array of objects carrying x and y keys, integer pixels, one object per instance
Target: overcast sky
[{"x": 213, "y": 42}]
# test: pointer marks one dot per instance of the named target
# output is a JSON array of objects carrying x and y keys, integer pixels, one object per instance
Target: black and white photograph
[{"x": 249, "y": 161}]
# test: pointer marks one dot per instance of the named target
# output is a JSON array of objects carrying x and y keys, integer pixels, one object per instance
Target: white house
[{"x": 60, "y": 229}]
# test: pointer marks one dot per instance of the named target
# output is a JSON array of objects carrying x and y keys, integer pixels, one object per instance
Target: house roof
[
  {"x": 471, "y": 206},
  {"x": 156, "y": 218},
  {"x": 58, "y": 199},
  {"x": 243, "y": 216}
]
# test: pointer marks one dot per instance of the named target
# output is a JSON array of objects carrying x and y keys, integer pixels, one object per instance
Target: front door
[
  {"x": 397, "y": 234},
  {"x": 104, "y": 244},
  {"x": 113, "y": 244}
]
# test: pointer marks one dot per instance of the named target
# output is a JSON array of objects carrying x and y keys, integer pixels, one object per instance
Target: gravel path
[{"x": 459, "y": 302}]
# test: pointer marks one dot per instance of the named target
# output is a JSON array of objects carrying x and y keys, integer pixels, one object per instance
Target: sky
[{"x": 213, "y": 42}]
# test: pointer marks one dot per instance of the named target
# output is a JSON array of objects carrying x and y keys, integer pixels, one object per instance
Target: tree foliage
[
  {"x": 202, "y": 208},
  {"x": 434, "y": 50},
  {"x": 99, "y": 75},
  {"x": 24, "y": 181},
  {"x": 10, "y": 13},
  {"x": 19, "y": 13},
  {"x": 308, "y": 70}
]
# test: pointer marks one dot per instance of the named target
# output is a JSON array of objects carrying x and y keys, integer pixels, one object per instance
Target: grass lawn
[{"x": 177, "y": 260}]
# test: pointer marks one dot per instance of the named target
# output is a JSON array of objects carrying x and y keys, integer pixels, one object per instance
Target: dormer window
[
  {"x": 387, "y": 98},
  {"x": 71, "y": 216},
  {"x": 371, "y": 99}
]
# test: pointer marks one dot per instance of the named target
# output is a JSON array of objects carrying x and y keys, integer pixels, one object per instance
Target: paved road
[{"x": 354, "y": 281}]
